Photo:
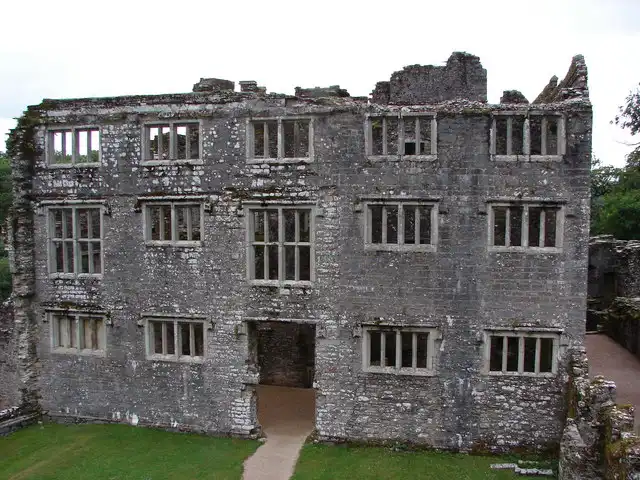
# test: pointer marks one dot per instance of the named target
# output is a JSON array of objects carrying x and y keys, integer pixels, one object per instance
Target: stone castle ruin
[{"x": 417, "y": 258}]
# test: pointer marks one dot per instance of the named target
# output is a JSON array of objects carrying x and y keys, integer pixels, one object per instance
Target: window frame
[
  {"x": 524, "y": 229},
  {"x": 400, "y": 155},
  {"x": 173, "y": 125},
  {"x": 555, "y": 335},
  {"x": 176, "y": 320},
  {"x": 526, "y": 138},
  {"x": 74, "y": 129},
  {"x": 249, "y": 227},
  {"x": 400, "y": 246},
  {"x": 147, "y": 224},
  {"x": 76, "y": 315},
  {"x": 280, "y": 159},
  {"x": 75, "y": 239},
  {"x": 429, "y": 371}
]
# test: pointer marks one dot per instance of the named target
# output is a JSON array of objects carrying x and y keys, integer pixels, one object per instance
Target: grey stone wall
[
  {"x": 462, "y": 77},
  {"x": 8, "y": 358},
  {"x": 462, "y": 289}
]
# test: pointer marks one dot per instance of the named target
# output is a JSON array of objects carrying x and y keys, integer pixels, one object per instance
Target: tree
[{"x": 615, "y": 193}]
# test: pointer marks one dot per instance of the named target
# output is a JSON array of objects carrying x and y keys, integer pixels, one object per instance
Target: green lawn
[
  {"x": 115, "y": 452},
  {"x": 121, "y": 452},
  {"x": 322, "y": 462}
]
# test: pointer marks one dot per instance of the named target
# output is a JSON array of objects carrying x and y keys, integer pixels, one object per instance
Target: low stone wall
[
  {"x": 621, "y": 322},
  {"x": 598, "y": 440},
  {"x": 8, "y": 358}
]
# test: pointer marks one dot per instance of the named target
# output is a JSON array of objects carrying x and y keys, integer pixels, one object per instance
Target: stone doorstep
[
  {"x": 16, "y": 423},
  {"x": 541, "y": 472}
]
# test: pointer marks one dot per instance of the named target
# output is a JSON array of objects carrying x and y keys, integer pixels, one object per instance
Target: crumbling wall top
[
  {"x": 213, "y": 85},
  {"x": 574, "y": 84},
  {"x": 461, "y": 78}
]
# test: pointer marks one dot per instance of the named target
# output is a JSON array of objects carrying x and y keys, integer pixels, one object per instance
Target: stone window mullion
[
  {"x": 400, "y": 224},
  {"x": 398, "y": 350},
  {"x": 384, "y": 224},
  {"x": 537, "y": 361},
  {"x": 282, "y": 274},
  {"x": 280, "y": 139},
  {"x": 414, "y": 350},
  {"x": 383, "y": 349},
  {"x": 507, "y": 228},
  {"x": 509, "y": 135},
  {"x": 542, "y": 228},
  {"x": 384, "y": 136},
  {"x": 543, "y": 135},
  {"x": 417, "y": 136},
  {"x": 505, "y": 345},
  {"x": 297, "y": 244},
  {"x": 520, "y": 354}
]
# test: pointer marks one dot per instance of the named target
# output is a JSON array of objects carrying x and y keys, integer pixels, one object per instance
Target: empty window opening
[
  {"x": 281, "y": 246},
  {"x": 172, "y": 141},
  {"x": 78, "y": 332},
  {"x": 542, "y": 226},
  {"x": 285, "y": 353},
  {"x": 392, "y": 135},
  {"x": 525, "y": 226},
  {"x": 280, "y": 138},
  {"x": 74, "y": 146},
  {"x": 400, "y": 224},
  {"x": 545, "y": 131},
  {"x": 522, "y": 353},
  {"x": 398, "y": 350},
  {"x": 176, "y": 339},
  {"x": 173, "y": 222},
  {"x": 76, "y": 240},
  {"x": 509, "y": 135}
]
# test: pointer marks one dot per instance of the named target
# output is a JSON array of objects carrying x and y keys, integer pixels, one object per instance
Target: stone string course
[{"x": 462, "y": 289}]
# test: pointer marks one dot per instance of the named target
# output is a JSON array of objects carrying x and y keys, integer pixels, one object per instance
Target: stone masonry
[{"x": 355, "y": 170}]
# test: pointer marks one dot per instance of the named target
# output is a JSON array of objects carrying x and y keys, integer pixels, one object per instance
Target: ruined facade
[{"x": 418, "y": 258}]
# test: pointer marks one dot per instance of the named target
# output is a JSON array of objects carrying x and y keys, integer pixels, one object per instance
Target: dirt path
[
  {"x": 615, "y": 363},
  {"x": 287, "y": 417}
]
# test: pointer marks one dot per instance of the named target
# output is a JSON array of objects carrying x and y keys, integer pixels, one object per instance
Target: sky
[{"x": 70, "y": 49}]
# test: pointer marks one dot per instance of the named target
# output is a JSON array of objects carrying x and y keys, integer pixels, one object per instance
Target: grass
[
  {"x": 110, "y": 452},
  {"x": 115, "y": 452},
  {"x": 322, "y": 462}
]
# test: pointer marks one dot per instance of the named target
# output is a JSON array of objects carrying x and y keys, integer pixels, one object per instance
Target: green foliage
[
  {"x": 615, "y": 192},
  {"x": 323, "y": 462},
  {"x": 102, "y": 452}
]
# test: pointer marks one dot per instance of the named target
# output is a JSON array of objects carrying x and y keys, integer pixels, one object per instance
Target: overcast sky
[{"x": 63, "y": 48}]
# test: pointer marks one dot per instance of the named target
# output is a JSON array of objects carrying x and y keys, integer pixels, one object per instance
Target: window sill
[
  {"x": 403, "y": 371},
  {"x": 530, "y": 250},
  {"x": 177, "y": 244},
  {"x": 175, "y": 359},
  {"x": 521, "y": 374},
  {"x": 79, "y": 352},
  {"x": 73, "y": 165},
  {"x": 159, "y": 163},
  {"x": 403, "y": 158},
  {"x": 393, "y": 247},
  {"x": 75, "y": 276},
  {"x": 279, "y": 161},
  {"x": 281, "y": 284},
  {"x": 527, "y": 158}
]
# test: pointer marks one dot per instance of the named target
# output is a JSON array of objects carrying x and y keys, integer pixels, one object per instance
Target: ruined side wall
[
  {"x": 8, "y": 358},
  {"x": 598, "y": 440}
]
